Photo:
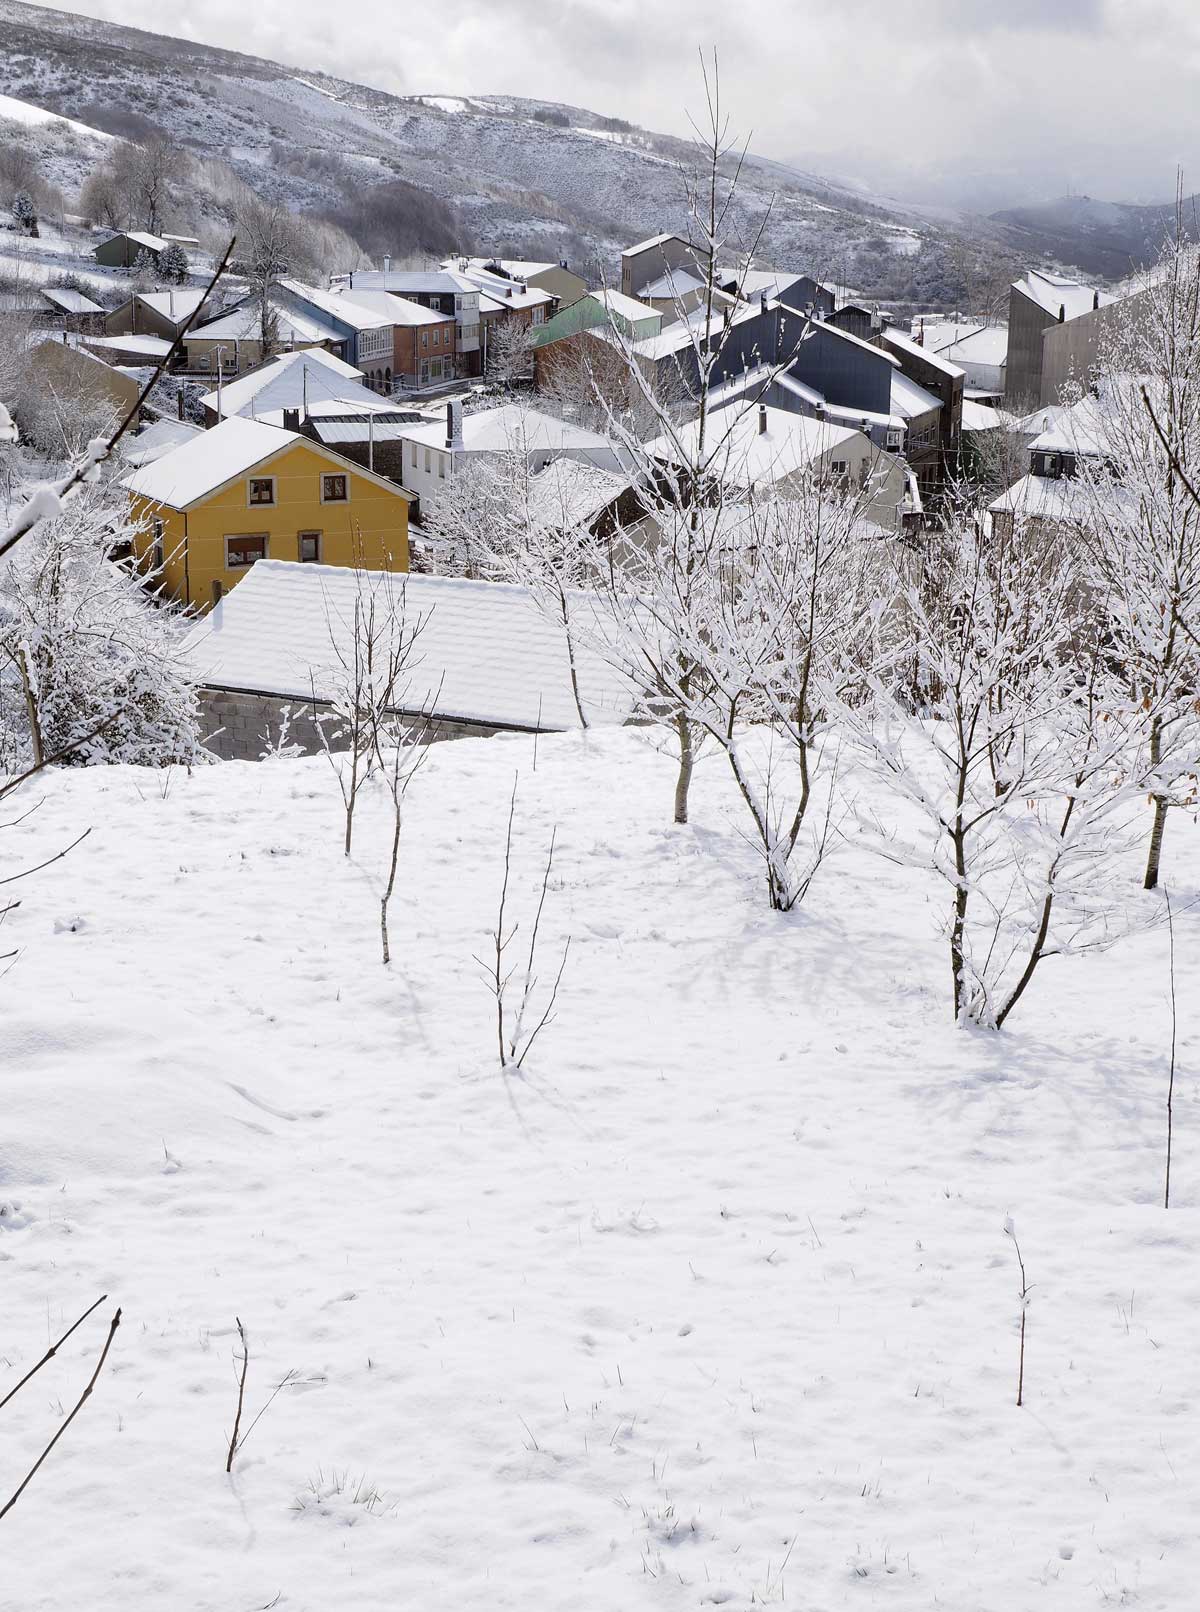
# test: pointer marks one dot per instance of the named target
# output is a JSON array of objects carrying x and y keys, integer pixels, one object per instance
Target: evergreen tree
[
  {"x": 24, "y": 213},
  {"x": 173, "y": 264}
]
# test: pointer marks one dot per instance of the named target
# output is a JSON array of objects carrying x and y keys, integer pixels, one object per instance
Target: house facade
[
  {"x": 1037, "y": 303},
  {"x": 245, "y": 491}
]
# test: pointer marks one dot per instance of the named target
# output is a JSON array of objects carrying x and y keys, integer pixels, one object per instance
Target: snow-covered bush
[
  {"x": 88, "y": 659},
  {"x": 24, "y": 213}
]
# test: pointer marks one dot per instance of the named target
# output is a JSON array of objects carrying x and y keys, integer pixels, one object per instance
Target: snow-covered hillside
[
  {"x": 521, "y": 184},
  {"x": 712, "y": 1307}
]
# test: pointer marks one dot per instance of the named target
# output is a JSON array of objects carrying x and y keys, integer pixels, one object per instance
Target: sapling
[
  {"x": 1011, "y": 1231},
  {"x": 1171, "y": 1076},
  {"x": 514, "y": 1038}
]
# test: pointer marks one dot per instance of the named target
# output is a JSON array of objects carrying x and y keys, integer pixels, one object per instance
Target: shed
[{"x": 122, "y": 250}]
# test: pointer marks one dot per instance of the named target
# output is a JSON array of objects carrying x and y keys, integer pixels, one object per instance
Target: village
[{"x": 599, "y": 740}]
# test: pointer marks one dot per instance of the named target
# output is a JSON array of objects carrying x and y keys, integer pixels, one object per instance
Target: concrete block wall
[{"x": 236, "y": 726}]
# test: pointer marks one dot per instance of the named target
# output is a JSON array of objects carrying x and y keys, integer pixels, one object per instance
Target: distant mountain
[
  {"x": 526, "y": 178},
  {"x": 1102, "y": 238}
]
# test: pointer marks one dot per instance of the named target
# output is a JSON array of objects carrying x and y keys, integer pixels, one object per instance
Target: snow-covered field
[{"x": 712, "y": 1307}]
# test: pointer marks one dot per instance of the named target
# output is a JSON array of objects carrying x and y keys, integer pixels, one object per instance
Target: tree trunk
[
  {"x": 686, "y": 761},
  {"x": 35, "y": 726},
  {"x": 1156, "y": 838}
]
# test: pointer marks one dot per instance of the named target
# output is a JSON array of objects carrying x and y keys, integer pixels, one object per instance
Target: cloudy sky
[{"x": 972, "y": 101}]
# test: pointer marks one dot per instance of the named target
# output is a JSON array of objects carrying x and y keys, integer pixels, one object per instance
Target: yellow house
[{"x": 247, "y": 491}]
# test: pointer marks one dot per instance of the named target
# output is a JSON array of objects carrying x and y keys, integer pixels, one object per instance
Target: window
[
  {"x": 240, "y": 551},
  {"x": 335, "y": 489},
  {"x": 424, "y": 338},
  {"x": 204, "y": 361},
  {"x": 437, "y": 336},
  {"x": 441, "y": 466},
  {"x": 156, "y": 553},
  {"x": 539, "y": 316},
  {"x": 428, "y": 456},
  {"x": 309, "y": 544},
  {"x": 414, "y": 455},
  {"x": 262, "y": 490},
  {"x": 839, "y": 467},
  {"x": 895, "y": 440}
]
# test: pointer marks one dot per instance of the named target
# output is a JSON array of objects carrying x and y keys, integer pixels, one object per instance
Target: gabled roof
[
  {"x": 198, "y": 467},
  {"x": 905, "y": 344},
  {"x": 1076, "y": 428},
  {"x": 628, "y": 308},
  {"x": 338, "y": 303},
  {"x": 1054, "y": 291},
  {"x": 399, "y": 310},
  {"x": 512, "y": 428},
  {"x": 971, "y": 344},
  {"x": 288, "y": 380},
  {"x": 206, "y": 463},
  {"x": 654, "y": 240},
  {"x": 156, "y": 440},
  {"x": 842, "y": 335},
  {"x": 152, "y": 243},
  {"x": 740, "y": 453},
  {"x": 244, "y": 323},
  {"x": 69, "y": 300},
  {"x": 909, "y": 399},
  {"x": 569, "y": 493},
  {"x": 175, "y": 305},
  {"x": 486, "y": 653},
  {"x": 672, "y": 283}
]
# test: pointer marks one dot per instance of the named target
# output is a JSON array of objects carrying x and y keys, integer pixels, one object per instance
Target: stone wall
[{"x": 239, "y": 727}]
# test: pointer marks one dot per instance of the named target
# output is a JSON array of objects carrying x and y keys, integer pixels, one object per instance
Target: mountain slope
[
  {"x": 527, "y": 177},
  {"x": 1104, "y": 238}
]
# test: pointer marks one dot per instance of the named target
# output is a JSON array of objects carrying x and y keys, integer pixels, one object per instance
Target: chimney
[
  {"x": 1095, "y": 299},
  {"x": 508, "y": 291},
  {"x": 387, "y": 262},
  {"x": 454, "y": 436},
  {"x": 1062, "y": 312},
  {"x": 291, "y": 419},
  {"x": 762, "y": 419},
  {"x": 351, "y": 278},
  {"x": 562, "y": 263},
  {"x": 762, "y": 300}
]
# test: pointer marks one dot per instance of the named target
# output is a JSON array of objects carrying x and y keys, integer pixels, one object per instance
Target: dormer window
[{"x": 261, "y": 490}]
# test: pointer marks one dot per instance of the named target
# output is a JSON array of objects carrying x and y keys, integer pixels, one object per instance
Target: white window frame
[{"x": 316, "y": 559}]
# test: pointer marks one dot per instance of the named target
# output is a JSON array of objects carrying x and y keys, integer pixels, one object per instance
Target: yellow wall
[{"x": 371, "y": 529}]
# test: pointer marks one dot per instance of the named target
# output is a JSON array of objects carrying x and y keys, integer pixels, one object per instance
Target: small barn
[{"x": 122, "y": 250}]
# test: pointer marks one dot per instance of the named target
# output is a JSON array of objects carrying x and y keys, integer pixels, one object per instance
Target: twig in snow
[
  {"x": 79, "y": 1403},
  {"x": 52, "y": 1351},
  {"x": 237, "y": 1420}
]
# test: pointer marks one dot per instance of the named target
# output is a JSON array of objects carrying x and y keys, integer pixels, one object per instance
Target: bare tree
[
  {"x": 1141, "y": 525},
  {"x": 995, "y": 722}
]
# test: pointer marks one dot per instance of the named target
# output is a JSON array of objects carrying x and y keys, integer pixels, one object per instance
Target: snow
[
  {"x": 244, "y": 323},
  {"x": 155, "y": 440},
  {"x": 742, "y": 453},
  {"x": 713, "y": 1307},
  {"x": 445, "y": 103},
  {"x": 910, "y": 399},
  {"x": 904, "y": 344},
  {"x": 70, "y": 300},
  {"x": 207, "y": 461},
  {"x": 177, "y": 305},
  {"x": 290, "y": 379},
  {"x": 143, "y": 347},
  {"x": 31, "y": 116},
  {"x": 1054, "y": 291},
  {"x": 485, "y": 652},
  {"x": 512, "y": 427}
]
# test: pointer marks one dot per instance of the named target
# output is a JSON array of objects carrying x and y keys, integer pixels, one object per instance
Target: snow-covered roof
[
  {"x": 842, "y": 335},
  {"x": 655, "y": 240},
  {"x": 905, "y": 344},
  {"x": 1044, "y": 497},
  {"x": 69, "y": 300},
  {"x": 156, "y": 440},
  {"x": 199, "y": 466},
  {"x": 512, "y": 428},
  {"x": 628, "y": 308},
  {"x": 509, "y": 293},
  {"x": 288, "y": 380},
  {"x": 569, "y": 492},
  {"x": 693, "y": 329},
  {"x": 244, "y": 323},
  {"x": 978, "y": 417},
  {"x": 739, "y": 452},
  {"x": 447, "y": 279},
  {"x": 486, "y": 653},
  {"x": 340, "y": 304},
  {"x": 177, "y": 306},
  {"x": 398, "y": 310},
  {"x": 512, "y": 265},
  {"x": 1076, "y": 428},
  {"x": 672, "y": 283},
  {"x": 909, "y": 399},
  {"x": 145, "y": 348},
  {"x": 973, "y": 344},
  {"x": 1054, "y": 291},
  {"x": 140, "y": 237}
]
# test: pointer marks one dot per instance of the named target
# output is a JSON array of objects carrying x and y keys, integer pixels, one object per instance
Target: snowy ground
[{"x": 712, "y": 1308}]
